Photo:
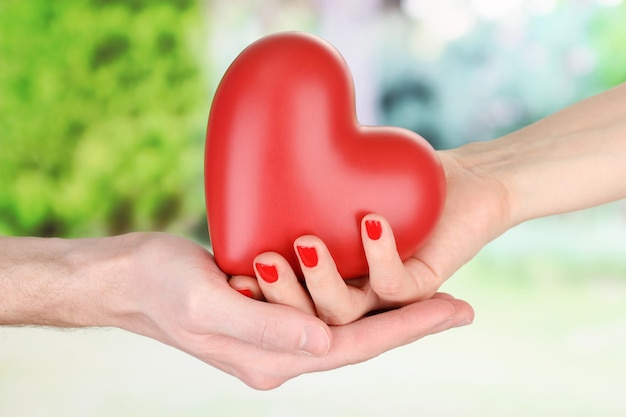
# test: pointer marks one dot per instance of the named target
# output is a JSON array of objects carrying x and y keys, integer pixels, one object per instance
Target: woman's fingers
[
  {"x": 336, "y": 302},
  {"x": 391, "y": 282},
  {"x": 247, "y": 286},
  {"x": 279, "y": 283},
  {"x": 388, "y": 275}
]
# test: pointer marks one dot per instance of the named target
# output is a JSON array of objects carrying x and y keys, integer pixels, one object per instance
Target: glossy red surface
[{"x": 285, "y": 157}]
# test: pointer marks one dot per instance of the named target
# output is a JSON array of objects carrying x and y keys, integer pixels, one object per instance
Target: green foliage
[
  {"x": 102, "y": 113},
  {"x": 609, "y": 35}
]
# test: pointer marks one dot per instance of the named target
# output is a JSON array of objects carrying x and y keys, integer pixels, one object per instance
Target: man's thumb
[{"x": 278, "y": 327}]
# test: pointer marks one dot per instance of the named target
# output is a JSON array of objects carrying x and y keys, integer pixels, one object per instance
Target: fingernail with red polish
[
  {"x": 308, "y": 255},
  {"x": 374, "y": 229},
  {"x": 246, "y": 292},
  {"x": 269, "y": 273}
]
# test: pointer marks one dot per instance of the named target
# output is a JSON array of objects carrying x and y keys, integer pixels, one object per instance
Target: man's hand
[{"x": 170, "y": 289}]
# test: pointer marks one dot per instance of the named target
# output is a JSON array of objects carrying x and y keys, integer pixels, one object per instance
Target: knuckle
[
  {"x": 388, "y": 285},
  {"x": 338, "y": 317},
  {"x": 267, "y": 332},
  {"x": 193, "y": 313}
]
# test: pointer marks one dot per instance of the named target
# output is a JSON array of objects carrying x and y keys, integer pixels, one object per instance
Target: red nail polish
[
  {"x": 374, "y": 229},
  {"x": 246, "y": 292},
  {"x": 269, "y": 273},
  {"x": 308, "y": 255}
]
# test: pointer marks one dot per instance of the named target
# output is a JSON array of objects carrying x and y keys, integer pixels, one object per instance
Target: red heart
[{"x": 285, "y": 157}]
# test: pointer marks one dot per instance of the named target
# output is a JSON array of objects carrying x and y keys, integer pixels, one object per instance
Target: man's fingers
[
  {"x": 273, "y": 326},
  {"x": 393, "y": 329},
  {"x": 352, "y": 343}
]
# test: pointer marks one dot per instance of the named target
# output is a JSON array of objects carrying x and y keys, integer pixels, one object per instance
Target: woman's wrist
[
  {"x": 516, "y": 165},
  {"x": 489, "y": 162},
  {"x": 542, "y": 176}
]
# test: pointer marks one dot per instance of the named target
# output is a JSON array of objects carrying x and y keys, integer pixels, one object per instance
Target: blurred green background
[
  {"x": 103, "y": 107},
  {"x": 102, "y": 112},
  {"x": 103, "y": 103}
]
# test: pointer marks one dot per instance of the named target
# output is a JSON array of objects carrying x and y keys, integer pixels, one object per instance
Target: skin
[
  {"x": 571, "y": 160},
  {"x": 170, "y": 289}
]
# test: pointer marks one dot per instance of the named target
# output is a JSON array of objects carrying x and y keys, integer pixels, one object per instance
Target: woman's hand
[
  {"x": 571, "y": 160},
  {"x": 476, "y": 211}
]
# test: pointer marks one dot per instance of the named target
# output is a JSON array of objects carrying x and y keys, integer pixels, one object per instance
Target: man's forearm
[{"x": 58, "y": 282}]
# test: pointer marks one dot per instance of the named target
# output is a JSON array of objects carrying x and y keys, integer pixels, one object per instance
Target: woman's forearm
[{"x": 571, "y": 160}]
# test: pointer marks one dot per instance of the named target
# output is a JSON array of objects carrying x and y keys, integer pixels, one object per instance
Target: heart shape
[{"x": 285, "y": 157}]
